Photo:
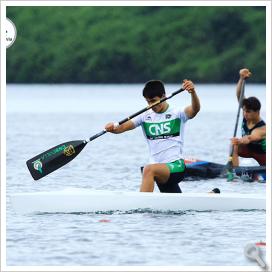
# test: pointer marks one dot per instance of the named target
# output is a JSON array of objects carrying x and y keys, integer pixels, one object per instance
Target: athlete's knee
[{"x": 148, "y": 170}]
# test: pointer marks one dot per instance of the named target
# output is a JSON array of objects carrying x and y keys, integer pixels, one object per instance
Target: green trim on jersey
[
  {"x": 263, "y": 144},
  {"x": 162, "y": 130},
  {"x": 176, "y": 166}
]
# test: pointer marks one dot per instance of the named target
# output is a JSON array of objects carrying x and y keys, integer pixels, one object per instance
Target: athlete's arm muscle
[
  {"x": 129, "y": 125},
  {"x": 256, "y": 135}
]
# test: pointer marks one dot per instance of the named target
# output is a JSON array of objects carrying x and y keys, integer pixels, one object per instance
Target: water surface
[{"x": 41, "y": 116}]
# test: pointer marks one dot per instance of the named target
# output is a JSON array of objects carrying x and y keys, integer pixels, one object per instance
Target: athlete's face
[
  {"x": 250, "y": 114},
  {"x": 160, "y": 107}
]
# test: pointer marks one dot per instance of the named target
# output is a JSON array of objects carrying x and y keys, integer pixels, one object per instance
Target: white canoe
[{"x": 85, "y": 200}]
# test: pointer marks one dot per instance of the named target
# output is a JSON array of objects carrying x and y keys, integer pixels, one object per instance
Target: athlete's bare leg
[
  {"x": 235, "y": 156},
  {"x": 158, "y": 171}
]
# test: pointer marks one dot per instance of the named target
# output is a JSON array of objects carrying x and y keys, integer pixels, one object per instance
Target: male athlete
[
  {"x": 253, "y": 141},
  {"x": 163, "y": 128}
]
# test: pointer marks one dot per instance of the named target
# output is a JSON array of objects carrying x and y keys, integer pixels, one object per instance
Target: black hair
[
  {"x": 252, "y": 103},
  {"x": 153, "y": 88}
]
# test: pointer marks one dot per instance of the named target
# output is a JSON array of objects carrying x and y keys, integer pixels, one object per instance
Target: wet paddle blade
[{"x": 54, "y": 158}]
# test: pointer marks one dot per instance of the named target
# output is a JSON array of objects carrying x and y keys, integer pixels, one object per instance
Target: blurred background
[{"x": 135, "y": 44}]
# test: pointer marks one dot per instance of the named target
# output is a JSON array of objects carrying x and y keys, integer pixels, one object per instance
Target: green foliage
[{"x": 135, "y": 44}]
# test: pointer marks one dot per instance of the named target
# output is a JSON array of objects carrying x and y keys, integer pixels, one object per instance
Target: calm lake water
[{"x": 41, "y": 116}]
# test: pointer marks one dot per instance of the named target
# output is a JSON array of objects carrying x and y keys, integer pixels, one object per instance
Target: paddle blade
[{"x": 54, "y": 158}]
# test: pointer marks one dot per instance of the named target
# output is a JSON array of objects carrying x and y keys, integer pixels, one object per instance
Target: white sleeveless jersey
[{"x": 164, "y": 133}]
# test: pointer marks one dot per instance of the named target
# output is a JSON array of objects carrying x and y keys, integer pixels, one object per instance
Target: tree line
[{"x": 135, "y": 44}]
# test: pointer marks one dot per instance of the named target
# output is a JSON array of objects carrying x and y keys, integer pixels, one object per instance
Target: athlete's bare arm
[
  {"x": 110, "y": 127},
  {"x": 244, "y": 74},
  {"x": 256, "y": 135},
  {"x": 192, "y": 110}
]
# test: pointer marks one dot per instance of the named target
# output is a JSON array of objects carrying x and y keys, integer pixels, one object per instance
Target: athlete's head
[
  {"x": 251, "y": 107},
  {"x": 153, "y": 92},
  {"x": 154, "y": 88},
  {"x": 252, "y": 103}
]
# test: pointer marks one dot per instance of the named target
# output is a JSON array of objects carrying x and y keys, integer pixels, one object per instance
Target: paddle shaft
[
  {"x": 238, "y": 115},
  {"x": 56, "y": 157},
  {"x": 136, "y": 114}
]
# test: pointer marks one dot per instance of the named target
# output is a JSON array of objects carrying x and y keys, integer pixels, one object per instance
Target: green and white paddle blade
[{"x": 54, "y": 158}]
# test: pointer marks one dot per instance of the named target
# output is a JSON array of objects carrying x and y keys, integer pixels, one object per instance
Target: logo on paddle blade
[
  {"x": 69, "y": 151},
  {"x": 53, "y": 152},
  {"x": 38, "y": 165}
]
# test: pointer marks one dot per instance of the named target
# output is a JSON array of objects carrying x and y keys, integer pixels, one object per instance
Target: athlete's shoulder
[
  {"x": 138, "y": 120},
  {"x": 175, "y": 110},
  {"x": 180, "y": 113},
  {"x": 262, "y": 123},
  {"x": 148, "y": 115}
]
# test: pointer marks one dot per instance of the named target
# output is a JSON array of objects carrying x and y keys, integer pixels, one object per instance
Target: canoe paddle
[
  {"x": 229, "y": 166},
  {"x": 57, "y": 156}
]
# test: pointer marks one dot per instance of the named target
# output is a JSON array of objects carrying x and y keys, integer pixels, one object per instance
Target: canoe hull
[
  {"x": 198, "y": 169},
  {"x": 83, "y": 200}
]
